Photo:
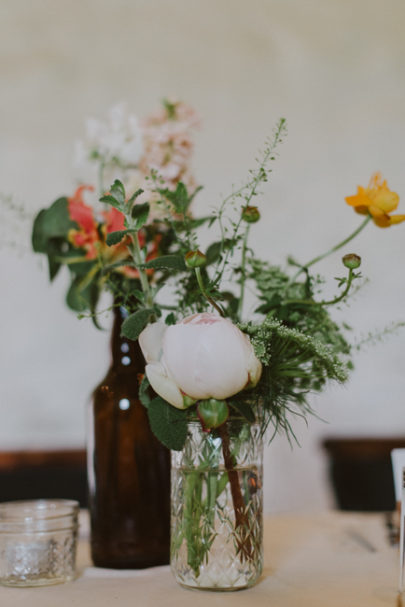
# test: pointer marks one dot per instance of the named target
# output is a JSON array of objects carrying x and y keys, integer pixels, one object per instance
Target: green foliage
[
  {"x": 300, "y": 345},
  {"x": 136, "y": 322},
  {"x": 212, "y": 412},
  {"x": 50, "y": 226},
  {"x": 376, "y": 337},
  {"x": 284, "y": 299},
  {"x": 144, "y": 395},
  {"x": 294, "y": 365},
  {"x": 179, "y": 198},
  {"x": 170, "y": 319},
  {"x": 49, "y": 235},
  {"x": 108, "y": 198},
  {"x": 134, "y": 196},
  {"x": 171, "y": 262},
  {"x": 168, "y": 424},
  {"x": 116, "y": 237},
  {"x": 216, "y": 249},
  {"x": 243, "y": 408},
  {"x": 140, "y": 212}
]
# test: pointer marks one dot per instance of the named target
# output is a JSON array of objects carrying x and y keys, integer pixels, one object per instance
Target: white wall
[{"x": 335, "y": 69}]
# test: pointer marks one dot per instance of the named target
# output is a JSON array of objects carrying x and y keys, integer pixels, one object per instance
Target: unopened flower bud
[
  {"x": 212, "y": 413},
  {"x": 351, "y": 261},
  {"x": 195, "y": 259},
  {"x": 250, "y": 214}
]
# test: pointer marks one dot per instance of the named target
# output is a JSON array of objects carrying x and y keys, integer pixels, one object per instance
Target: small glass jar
[{"x": 38, "y": 542}]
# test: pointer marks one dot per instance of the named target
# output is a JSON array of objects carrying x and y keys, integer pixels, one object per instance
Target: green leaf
[
  {"x": 117, "y": 264},
  {"x": 168, "y": 424},
  {"x": 116, "y": 237},
  {"x": 170, "y": 319},
  {"x": 194, "y": 194},
  {"x": 94, "y": 295},
  {"x": 135, "y": 195},
  {"x": 79, "y": 299},
  {"x": 144, "y": 392},
  {"x": 118, "y": 191},
  {"x": 51, "y": 223},
  {"x": 140, "y": 212},
  {"x": 192, "y": 223},
  {"x": 213, "y": 252},
  {"x": 53, "y": 267},
  {"x": 112, "y": 201},
  {"x": 135, "y": 323},
  {"x": 179, "y": 198},
  {"x": 171, "y": 262},
  {"x": 137, "y": 293},
  {"x": 81, "y": 268},
  {"x": 244, "y": 409}
]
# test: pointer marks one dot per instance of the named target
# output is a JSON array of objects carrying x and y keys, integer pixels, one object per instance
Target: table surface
[{"x": 330, "y": 559}]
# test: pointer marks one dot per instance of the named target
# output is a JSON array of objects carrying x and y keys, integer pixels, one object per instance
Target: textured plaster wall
[{"x": 335, "y": 69}]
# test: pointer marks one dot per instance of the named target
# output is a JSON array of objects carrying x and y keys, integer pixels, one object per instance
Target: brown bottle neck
[{"x": 126, "y": 354}]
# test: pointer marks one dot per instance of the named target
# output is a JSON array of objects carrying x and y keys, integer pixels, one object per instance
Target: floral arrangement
[
  {"x": 141, "y": 242},
  {"x": 77, "y": 234},
  {"x": 203, "y": 357}
]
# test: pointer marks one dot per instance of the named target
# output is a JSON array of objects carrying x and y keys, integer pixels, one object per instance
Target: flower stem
[
  {"x": 101, "y": 177},
  {"x": 243, "y": 272},
  {"x": 259, "y": 175},
  {"x": 137, "y": 256},
  {"x": 330, "y": 302},
  {"x": 204, "y": 292},
  {"x": 241, "y": 520},
  {"x": 338, "y": 298},
  {"x": 333, "y": 249}
]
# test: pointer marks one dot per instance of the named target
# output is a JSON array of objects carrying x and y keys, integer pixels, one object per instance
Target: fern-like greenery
[{"x": 294, "y": 365}]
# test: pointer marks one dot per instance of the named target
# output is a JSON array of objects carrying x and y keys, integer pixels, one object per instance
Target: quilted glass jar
[{"x": 216, "y": 508}]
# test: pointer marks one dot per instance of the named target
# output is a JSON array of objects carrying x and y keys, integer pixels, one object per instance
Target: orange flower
[
  {"x": 87, "y": 236},
  {"x": 91, "y": 237},
  {"x": 114, "y": 220},
  {"x": 378, "y": 201}
]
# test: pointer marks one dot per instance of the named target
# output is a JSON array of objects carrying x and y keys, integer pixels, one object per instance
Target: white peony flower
[{"x": 203, "y": 356}]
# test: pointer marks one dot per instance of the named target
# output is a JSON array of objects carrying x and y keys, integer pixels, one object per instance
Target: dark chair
[
  {"x": 43, "y": 474},
  {"x": 360, "y": 472}
]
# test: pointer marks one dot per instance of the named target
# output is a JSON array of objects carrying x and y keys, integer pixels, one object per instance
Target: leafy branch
[{"x": 247, "y": 192}]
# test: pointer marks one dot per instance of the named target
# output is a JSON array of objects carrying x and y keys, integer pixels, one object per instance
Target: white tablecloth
[{"x": 330, "y": 559}]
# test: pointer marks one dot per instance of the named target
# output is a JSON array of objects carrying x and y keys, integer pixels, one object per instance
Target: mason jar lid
[{"x": 33, "y": 516}]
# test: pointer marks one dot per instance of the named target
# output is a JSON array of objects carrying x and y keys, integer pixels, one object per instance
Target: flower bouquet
[{"x": 215, "y": 379}]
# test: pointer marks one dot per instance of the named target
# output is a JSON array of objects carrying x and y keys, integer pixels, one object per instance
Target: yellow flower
[{"x": 378, "y": 201}]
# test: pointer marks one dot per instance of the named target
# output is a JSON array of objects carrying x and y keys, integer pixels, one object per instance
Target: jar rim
[{"x": 27, "y": 511}]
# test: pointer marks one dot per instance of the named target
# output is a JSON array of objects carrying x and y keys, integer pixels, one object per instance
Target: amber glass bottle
[{"x": 128, "y": 469}]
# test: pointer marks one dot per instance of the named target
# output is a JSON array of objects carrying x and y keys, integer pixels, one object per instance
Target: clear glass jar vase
[{"x": 217, "y": 508}]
